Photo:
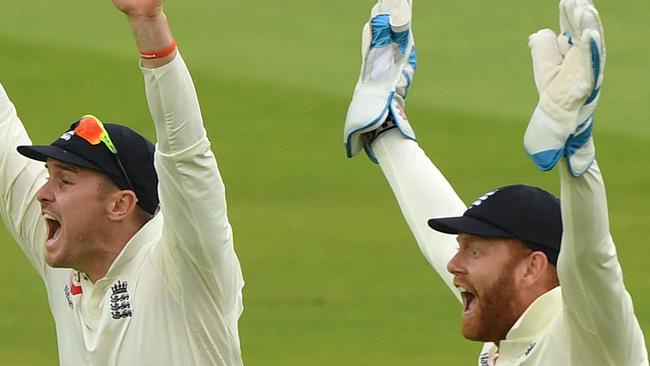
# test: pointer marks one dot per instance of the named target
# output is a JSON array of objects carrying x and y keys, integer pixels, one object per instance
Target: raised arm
[
  {"x": 150, "y": 30},
  {"x": 568, "y": 72},
  {"x": 20, "y": 178},
  {"x": 192, "y": 193},
  {"x": 376, "y": 122}
]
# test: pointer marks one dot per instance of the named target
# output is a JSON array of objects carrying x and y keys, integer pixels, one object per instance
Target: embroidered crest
[{"x": 120, "y": 304}]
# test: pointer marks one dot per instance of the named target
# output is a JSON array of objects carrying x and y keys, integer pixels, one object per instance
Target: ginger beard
[{"x": 493, "y": 308}]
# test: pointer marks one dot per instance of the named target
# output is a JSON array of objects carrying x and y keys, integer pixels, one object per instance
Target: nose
[
  {"x": 456, "y": 265},
  {"x": 44, "y": 194}
]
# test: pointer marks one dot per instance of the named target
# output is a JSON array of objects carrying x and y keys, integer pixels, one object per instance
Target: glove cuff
[
  {"x": 367, "y": 111},
  {"x": 580, "y": 150},
  {"x": 547, "y": 140},
  {"x": 544, "y": 139},
  {"x": 368, "y": 130}
]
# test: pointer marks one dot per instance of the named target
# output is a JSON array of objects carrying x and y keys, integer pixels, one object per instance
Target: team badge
[{"x": 120, "y": 303}]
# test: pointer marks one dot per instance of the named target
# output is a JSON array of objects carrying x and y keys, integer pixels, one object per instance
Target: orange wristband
[{"x": 150, "y": 55}]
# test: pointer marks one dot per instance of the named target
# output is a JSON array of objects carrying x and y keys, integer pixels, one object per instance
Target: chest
[
  {"x": 113, "y": 319},
  {"x": 548, "y": 349}
]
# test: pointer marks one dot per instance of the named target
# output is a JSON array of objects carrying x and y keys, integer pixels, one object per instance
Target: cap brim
[
  {"x": 43, "y": 152},
  {"x": 467, "y": 225}
]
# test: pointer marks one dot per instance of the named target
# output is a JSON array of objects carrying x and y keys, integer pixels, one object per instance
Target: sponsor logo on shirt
[
  {"x": 484, "y": 359},
  {"x": 66, "y": 291},
  {"x": 74, "y": 288},
  {"x": 530, "y": 349},
  {"x": 120, "y": 303}
]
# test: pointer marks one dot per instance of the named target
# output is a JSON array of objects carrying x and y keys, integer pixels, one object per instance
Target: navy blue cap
[
  {"x": 135, "y": 152},
  {"x": 518, "y": 211}
]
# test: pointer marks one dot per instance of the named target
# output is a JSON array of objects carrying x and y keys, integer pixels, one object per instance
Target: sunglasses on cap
[{"x": 92, "y": 130}]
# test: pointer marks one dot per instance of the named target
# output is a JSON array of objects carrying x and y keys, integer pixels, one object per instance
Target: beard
[{"x": 497, "y": 311}]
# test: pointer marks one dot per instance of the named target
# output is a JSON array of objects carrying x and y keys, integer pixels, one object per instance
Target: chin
[
  {"x": 482, "y": 332},
  {"x": 477, "y": 337},
  {"x": 472, "y": 334},
  {"x": 54, "y": 262}
]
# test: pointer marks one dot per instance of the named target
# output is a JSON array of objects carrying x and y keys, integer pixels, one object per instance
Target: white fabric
[
  {"x": 182, "y": 275},
  {"x": 384, "y": 71},
  {"x": 582, "y": 159},
  {"x": 545, "y": 134},
  {"x": 568, "y": 79},
  {"x": 589, "y": 320},
  {"x": 422, "y": 193},
  {"x": 563, "y": 82}
]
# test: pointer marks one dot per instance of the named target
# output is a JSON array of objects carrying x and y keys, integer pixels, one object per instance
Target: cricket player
[
  {"x": 133, "y": 243},
  {"x": 538, "y": 278}
]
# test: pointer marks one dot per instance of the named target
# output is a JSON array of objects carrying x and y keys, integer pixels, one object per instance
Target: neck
[{"x": 108, "y": 251}]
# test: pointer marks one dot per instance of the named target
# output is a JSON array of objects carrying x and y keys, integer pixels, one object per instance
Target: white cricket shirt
[
  {"x": 173, "y": 295},
  {"x": 588, "y": 320}
]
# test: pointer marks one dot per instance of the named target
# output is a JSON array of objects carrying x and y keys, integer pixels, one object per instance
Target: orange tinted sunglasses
[{"x": 91, "y": 129}]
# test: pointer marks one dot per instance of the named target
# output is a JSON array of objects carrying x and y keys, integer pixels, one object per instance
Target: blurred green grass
[{"x": 333, "y": 276}]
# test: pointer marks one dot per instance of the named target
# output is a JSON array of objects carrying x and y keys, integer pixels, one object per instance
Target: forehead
[
  {"x": 506, "y": 245},
  {"x": 469, "y": 239},
  {"x": 464, "y": 238},
  {"x": 54, "y": 166}
]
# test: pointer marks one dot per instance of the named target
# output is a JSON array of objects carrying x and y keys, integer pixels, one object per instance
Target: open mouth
[
  {"x": 53, "y": 229},
  {"x": 469, "y": 300}
]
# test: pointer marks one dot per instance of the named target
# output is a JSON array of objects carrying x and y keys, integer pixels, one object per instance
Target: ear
[
  {"x": 121, "y": 205},
  {"x": 536, "y": 269}
]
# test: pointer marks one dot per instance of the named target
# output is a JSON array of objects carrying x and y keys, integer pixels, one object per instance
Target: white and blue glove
[
  {"x": 568, "y": 73},
  {"x": 388, "y": 65}
]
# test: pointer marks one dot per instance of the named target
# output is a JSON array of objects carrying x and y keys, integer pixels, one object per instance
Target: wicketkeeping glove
[
  {"x": 388, "y": 65},
  {"x": 568, "y": 73}
]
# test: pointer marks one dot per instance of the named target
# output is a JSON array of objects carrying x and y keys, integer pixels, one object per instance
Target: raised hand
[
  {"x": 150, "y": 30},
  {"x": 143, "y": 8},
  {"x": 568, "y": 73},
  {"x": 388, "y": 65}
]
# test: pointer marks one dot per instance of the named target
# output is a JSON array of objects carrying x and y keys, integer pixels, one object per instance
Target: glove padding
[
  {"x": 568, "y": 73},
  {"x": 388, "y": 65}
]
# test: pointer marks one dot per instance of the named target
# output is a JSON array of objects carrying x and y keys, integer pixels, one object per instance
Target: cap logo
[
  {"x": 67, "y": 136},
  {"x": 482, "y": 199}
]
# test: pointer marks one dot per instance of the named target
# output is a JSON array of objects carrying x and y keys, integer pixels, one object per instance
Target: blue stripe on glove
[
  {"x": 546, "y": 160},
  {"x": 383, "y": 35},
  {"x": 595, "y": 64},
  {"x": 576, "y": 142}
]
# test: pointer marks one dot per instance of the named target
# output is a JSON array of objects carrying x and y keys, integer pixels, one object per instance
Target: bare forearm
[
  {"x": 150, "y": 30},
  {"x": 152, "y": 33}
]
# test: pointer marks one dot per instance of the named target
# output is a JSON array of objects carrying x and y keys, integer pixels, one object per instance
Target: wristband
[{"x": 150, "y": 55}]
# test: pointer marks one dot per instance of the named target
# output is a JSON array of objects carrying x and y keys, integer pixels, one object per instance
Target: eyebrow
[{"x": 63, "y": 166}]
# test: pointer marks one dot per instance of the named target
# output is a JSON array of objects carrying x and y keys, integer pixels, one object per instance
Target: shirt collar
[
  {"x": 537, "y": 316},
  {"x": 524, "y": 334},
  {"x": 146, "y": 234}
]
